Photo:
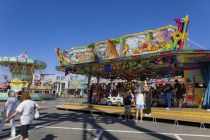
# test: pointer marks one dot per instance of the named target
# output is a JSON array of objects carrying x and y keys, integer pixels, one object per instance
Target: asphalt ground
[{"x": 56, "y": 124}]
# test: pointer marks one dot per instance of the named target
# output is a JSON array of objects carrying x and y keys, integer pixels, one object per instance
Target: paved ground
[{"x": 67, "y": 125}]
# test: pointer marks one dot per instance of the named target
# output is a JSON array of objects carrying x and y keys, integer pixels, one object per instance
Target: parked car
[{"x": 115, "y": 100}]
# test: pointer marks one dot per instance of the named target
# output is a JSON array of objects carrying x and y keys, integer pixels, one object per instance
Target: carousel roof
[{"x": 22, "y": 59}]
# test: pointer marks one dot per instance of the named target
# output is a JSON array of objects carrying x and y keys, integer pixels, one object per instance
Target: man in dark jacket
[
  {"x": 178, "y": 90},
  {"x": 127, "y": 104},
  {"x": 149, "y": 100}
]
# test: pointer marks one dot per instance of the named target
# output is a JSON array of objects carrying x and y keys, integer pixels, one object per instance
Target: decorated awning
[
  {"x": 154, "y": 65},
  {"x": 153, "y": 54},
  {"x": 167, "y": 38}
]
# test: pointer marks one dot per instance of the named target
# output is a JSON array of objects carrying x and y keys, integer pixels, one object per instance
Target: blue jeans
[{"x": 169, "y": 97}]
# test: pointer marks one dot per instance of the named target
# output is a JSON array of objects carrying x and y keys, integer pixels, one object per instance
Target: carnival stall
[{"x": 153, "y": 54}]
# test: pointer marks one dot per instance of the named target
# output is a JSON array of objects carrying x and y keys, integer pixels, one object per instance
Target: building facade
[{"x": 57, "y": 83}]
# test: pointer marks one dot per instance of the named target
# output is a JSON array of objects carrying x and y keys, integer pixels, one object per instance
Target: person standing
[
  {"x": 149, "y": 101},
  {"x": 139, "y": 105},
  {"x": 9, "y": 108},
  {"x": 127, "y": 104},
  {"x": 133, "y": 97},
  {"x": 26, "y": 109},
  {"x": 168, "y": 90},
  {"x": 178, "y": 90},
  {"x": 90, "y": 97},
  {"x": 184, "y": 94}
]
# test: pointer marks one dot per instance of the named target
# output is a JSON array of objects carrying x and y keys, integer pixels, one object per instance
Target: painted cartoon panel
[
  {"x": 149, "y": 42},
  {"x": 162, "y": 39},
  {"x": 77, "y": 55},
  {"x": 101, "y": 51}
]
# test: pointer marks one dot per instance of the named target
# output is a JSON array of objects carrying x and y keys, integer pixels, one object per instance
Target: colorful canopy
[
  {"x": 167, "y": 38},
  {"x": 154, "y": 65},
  {"x": 153, "y": 53}
]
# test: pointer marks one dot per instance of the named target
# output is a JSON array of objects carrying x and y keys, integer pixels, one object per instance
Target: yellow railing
[{"x": 182, "y": 114}]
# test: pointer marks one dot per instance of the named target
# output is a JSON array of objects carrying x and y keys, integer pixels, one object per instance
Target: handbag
[{"x": 36, "y": 114}]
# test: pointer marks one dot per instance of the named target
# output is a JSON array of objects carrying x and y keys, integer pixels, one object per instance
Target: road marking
[
  {"x": 142, "y": 132},
  {"x": 178, "y": 137},
  {"x": 55, "y": 127},
  {"x": 193, "y": 135},
  {"x": 65, "y": 128},
  {"x": 117, "y": 131},
  {"x": 99, "y": 134}
]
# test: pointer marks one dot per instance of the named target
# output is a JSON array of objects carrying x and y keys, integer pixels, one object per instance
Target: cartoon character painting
[
  {"x": 101, "y": 51},
  {"x": 150, "y": 42},
  {"x": 167, "y": 38},
  {"x": 75, "y": 56},
  {"x": 112, "y": 52}
]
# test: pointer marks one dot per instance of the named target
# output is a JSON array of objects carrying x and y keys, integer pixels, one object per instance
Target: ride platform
[{"x": 195, "y": 115}]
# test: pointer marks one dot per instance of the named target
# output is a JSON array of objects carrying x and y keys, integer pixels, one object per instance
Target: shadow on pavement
[
  {"x": 49, "y": 119},
  {"x": 87, "y": 119},
  {"x": 49, "y": 137}
]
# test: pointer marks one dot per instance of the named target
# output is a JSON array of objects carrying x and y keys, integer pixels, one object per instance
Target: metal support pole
[
  {"x": 97, "y": 86},
  {"x": 88, "y": 89},
  {"x": 176, "y": 122},
  {"x": 202, "y": 125}
]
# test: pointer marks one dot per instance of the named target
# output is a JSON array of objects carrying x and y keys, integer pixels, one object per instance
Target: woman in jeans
[
  {"x": 169, "y": 93},
  {"x": 26, "y": 109}
]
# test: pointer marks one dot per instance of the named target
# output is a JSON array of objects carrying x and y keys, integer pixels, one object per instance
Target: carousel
[
  {"x": 152, "y": 54},
  {"x": 22, "y": 69}
]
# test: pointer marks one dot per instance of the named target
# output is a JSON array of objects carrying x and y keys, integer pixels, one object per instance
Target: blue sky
[{"x": 40, "y": 26}]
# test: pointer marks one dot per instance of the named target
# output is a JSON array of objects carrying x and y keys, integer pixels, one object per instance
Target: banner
[
  {"x": 77, "y": 55},
  {"x": 149, "y": 42}
]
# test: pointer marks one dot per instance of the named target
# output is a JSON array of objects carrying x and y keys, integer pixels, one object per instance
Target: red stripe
[
  {"x": 199, "y": 51},
  {"x": 192, "y": 68},
  {"x": 189, "y": 97}
]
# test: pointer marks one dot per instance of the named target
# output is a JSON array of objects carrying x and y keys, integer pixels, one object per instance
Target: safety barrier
[{"x": 177, "y": 114}]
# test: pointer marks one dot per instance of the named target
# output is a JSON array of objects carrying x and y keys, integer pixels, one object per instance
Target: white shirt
[
  {"x": 27, "y": 111},
  {"x": 139, "y": 99}
]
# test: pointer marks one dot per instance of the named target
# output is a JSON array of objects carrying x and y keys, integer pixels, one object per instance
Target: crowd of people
[
  {"x": 143, "y": 98},
  {"x": 23, "y": 106},
  {"x": 134, "y": 95}
]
